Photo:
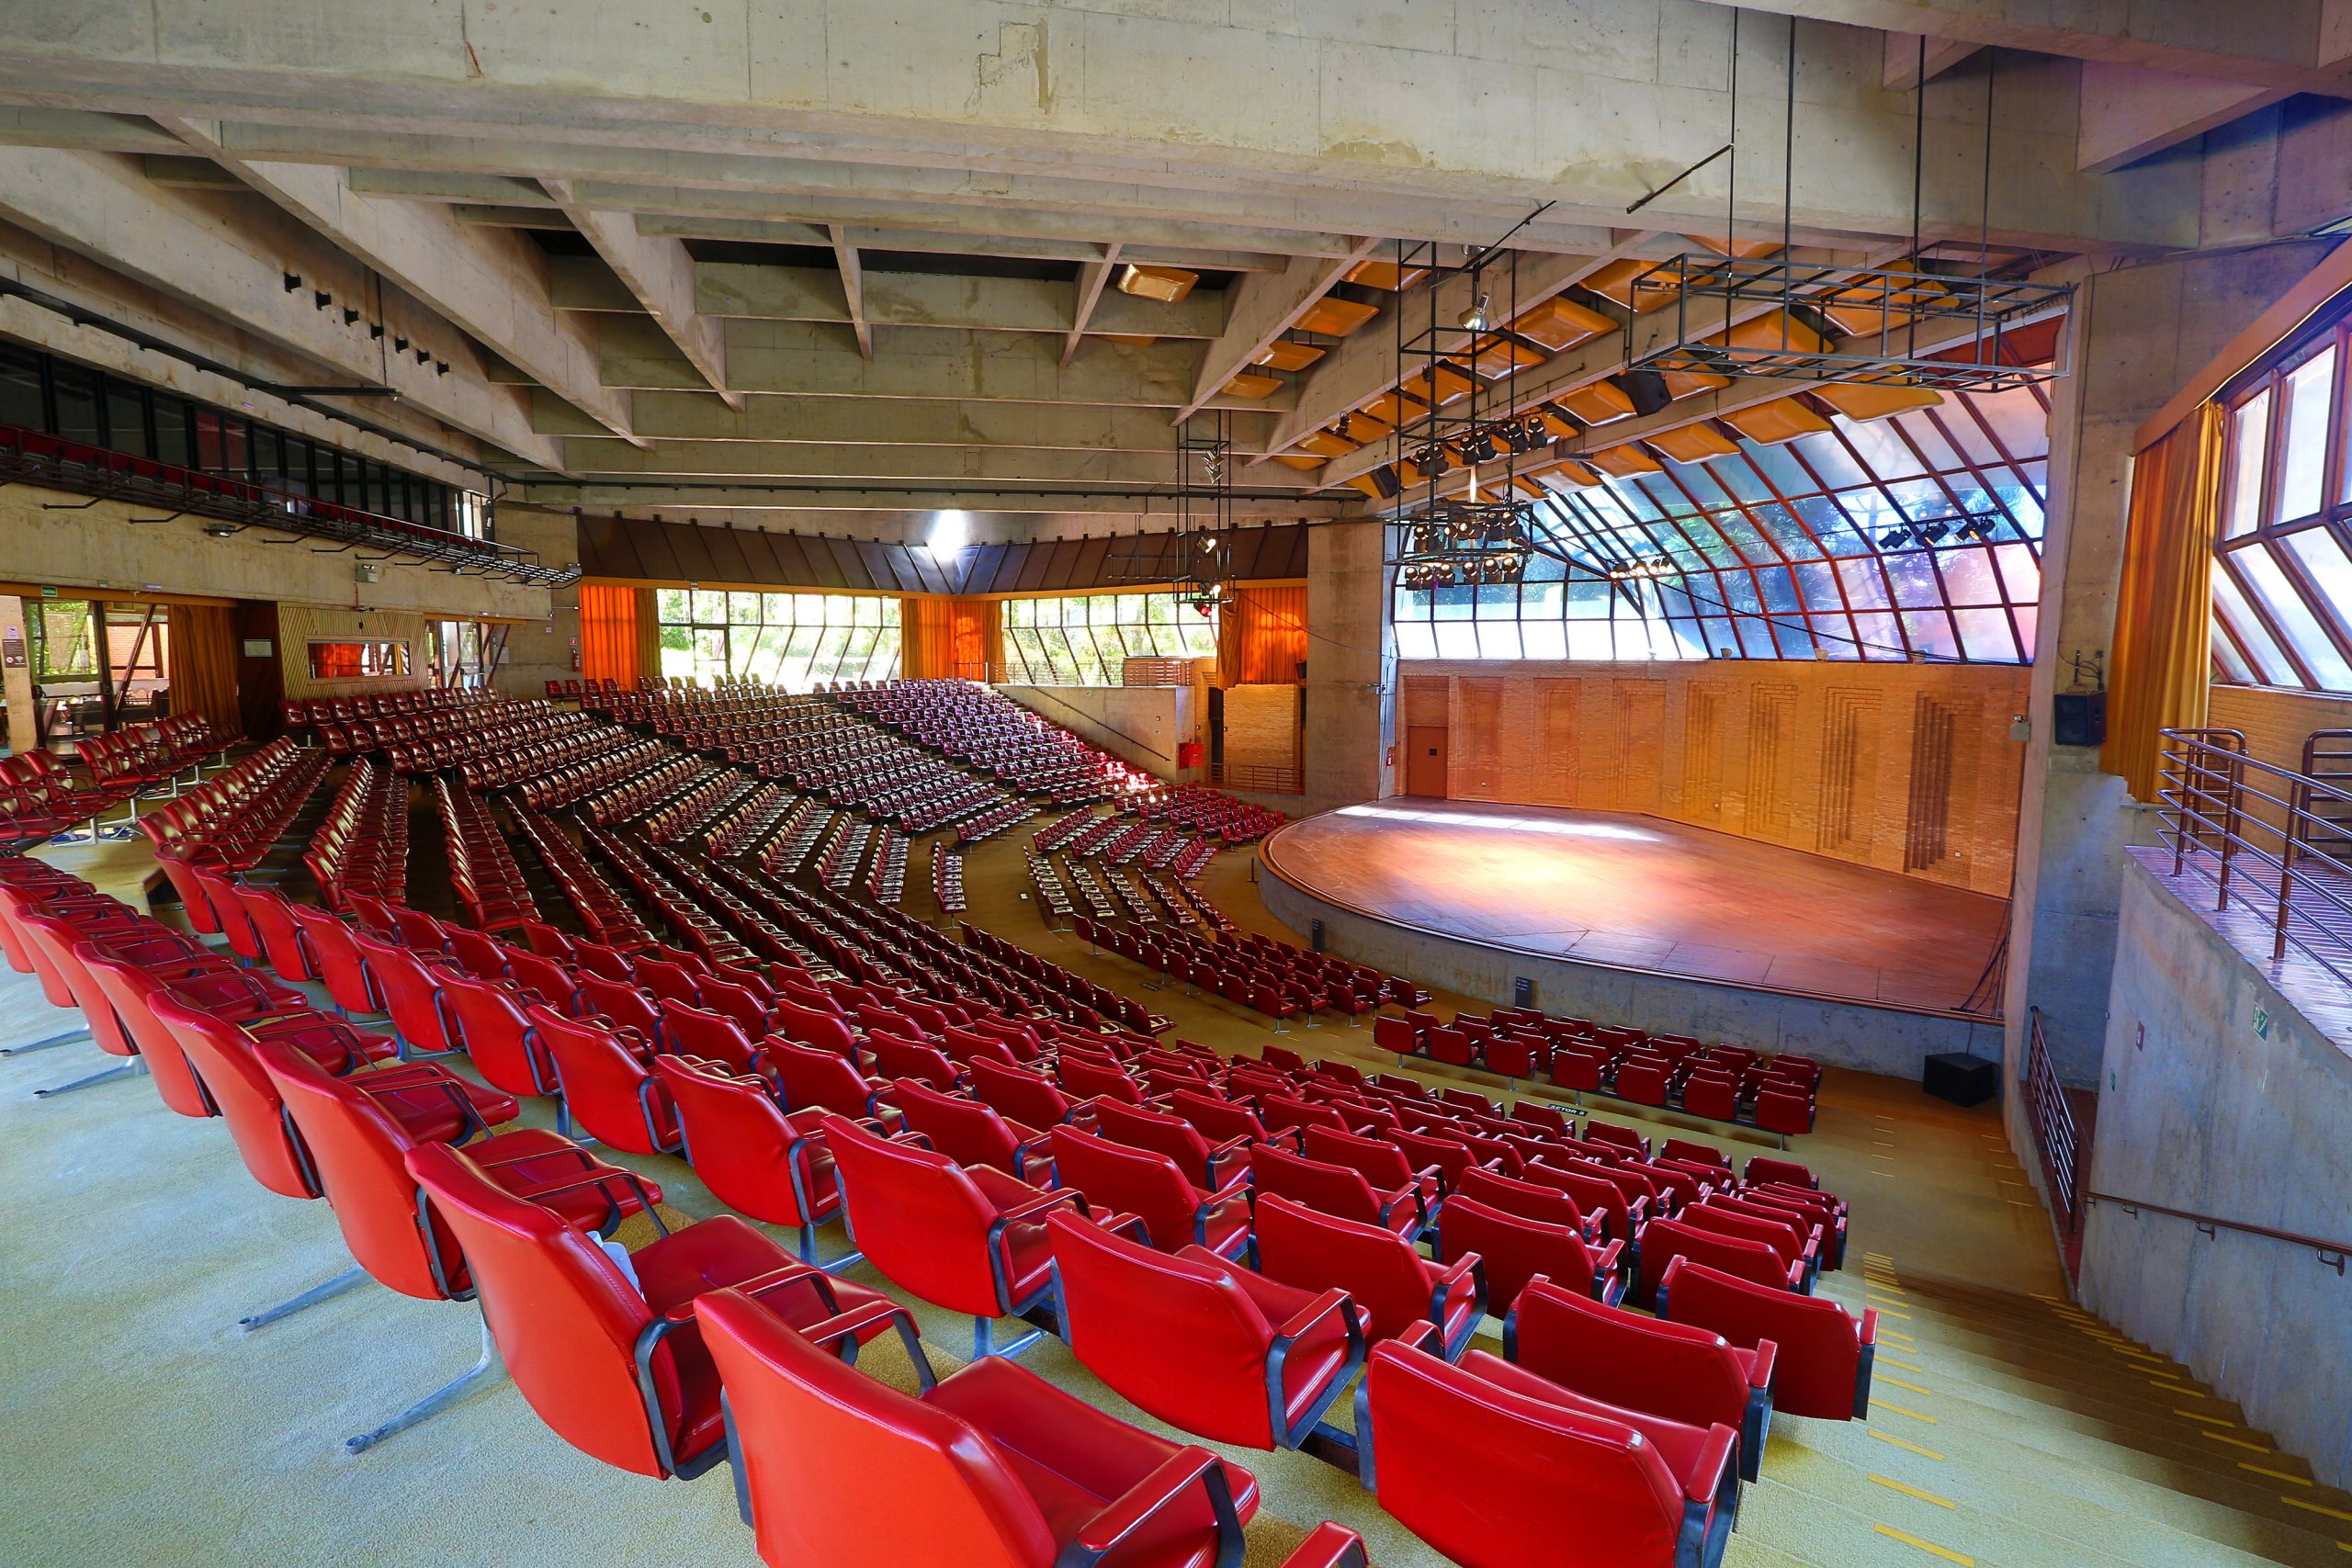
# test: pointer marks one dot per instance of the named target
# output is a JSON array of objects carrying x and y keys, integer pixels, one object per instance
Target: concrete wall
[
  {"x": 1872, "y": 1040},
  {"x": 1139, "y": 725},
  {"x": 1350, "y": 693},
  {"x": 540, "y": 651},
  {"x": 2219, "y": 1096},
  {"x": 2139, "y": 333}
]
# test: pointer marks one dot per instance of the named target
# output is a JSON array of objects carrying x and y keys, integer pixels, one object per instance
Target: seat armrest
[
  {"x": 1637, "y": 1210},
  {"x": 776, "y": 1280},
  {"x": 1177, "y": 1476},
  {"x": 1796, "y": 1277},
  {"x": 1760, "y": 1373},
  {"x": 1313, "y": 1312},
  {"x": 1706, "y": 1479},
  {"x": 1866, "y": 1332},
  {"x": 1329, "y": 1546},
  {"x": 874, "y": 1313},
  {"x": 1060, "y": 1198},
  {"x": 604, "y": 1181},
  {"x": 1423, "y": 1334}
]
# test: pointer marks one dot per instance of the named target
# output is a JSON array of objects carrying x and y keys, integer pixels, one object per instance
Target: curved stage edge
[{"x": 1866, "y": 1035}]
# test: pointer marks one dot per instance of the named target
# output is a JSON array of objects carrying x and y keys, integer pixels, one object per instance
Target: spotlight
[
  {"x": 1436, "y": 461},
  {"x": 1473, "y": 320},
  {"x": 1933, "y": 533},
  {"x": 1893, "y": 539},
  {"x": 1479, "y": 448}
]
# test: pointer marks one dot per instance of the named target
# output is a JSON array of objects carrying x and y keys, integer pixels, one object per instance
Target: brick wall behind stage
[{"x": 1905, "y": 767}]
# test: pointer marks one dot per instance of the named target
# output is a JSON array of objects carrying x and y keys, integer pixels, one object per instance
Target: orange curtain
[
  {"x": 200, "y": 661},
  {"x": 610, "y": 644},
  {"x": 1262, "y": 635},
  {"x": 2162, "y": 673},
  {"x": 941, "y": 638}
]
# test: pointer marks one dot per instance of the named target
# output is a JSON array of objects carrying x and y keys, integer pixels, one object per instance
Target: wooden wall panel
[
  {"x": 298, "y": 625},
  {"x": 1261, "y": 727},
  {"x": 1909, "y": 768}
]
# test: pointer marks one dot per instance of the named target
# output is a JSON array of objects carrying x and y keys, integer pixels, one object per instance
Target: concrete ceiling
[{"x": 685, "y": 260}]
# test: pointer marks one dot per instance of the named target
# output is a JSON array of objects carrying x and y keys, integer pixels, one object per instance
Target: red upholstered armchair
[
  {"x": 1393, "y": 1285},
  {"x": 1338, "y": 1191},
  {"x": 1824, "y": 1352},
  {"x": 1174, "y": 1213},
  {"x": 753, "y": 1157}
]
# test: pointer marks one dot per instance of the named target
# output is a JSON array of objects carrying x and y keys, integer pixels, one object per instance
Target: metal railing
[
  {"x": 1255, "y": 778},
  {"x": 2054, "y": 1125},
  {"x": 29, "y": 456},
  {"x": 2254, "y": 833},
  {"x": 2331, "y": 1254}
]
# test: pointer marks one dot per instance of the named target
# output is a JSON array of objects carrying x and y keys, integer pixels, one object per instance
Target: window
[
  {"x": 1914, "y": 536},
  {"x": 792, "y": 640},
  {"x": 357, "y": 660},
  {"x": 1086, "y": 639},
  {"x": 2282, "y": 573}
]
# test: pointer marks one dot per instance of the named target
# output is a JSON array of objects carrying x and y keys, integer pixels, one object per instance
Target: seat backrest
[
  {"x": 1590, "y": 1190},
  {"x": 51, "y": 943},
  {"x": 1316, "y": 1251},
  {"x": 273, "y": 921},
  {"x": 1452, "y": 1157},
  {"x": 1665, "y": 1240},
  {"x": 565, "y": 1320},
  {"x": 1497, "y": 1478},
  {"x": 811, "y": 1026},
  {"x": 132, "y": 992},
  {"x": 696, "y": 1031},
  {"x": 837, "y": 1468},
  {"x": 1728, "y": 1218},
  {"x": 737, "y": 1140},
  {"x": 1176, "y": 1336},
  {"x": 1514, "y": 1248},
  {"x": 607, "y": 1089},
  {"x": 1088, "y": 1078},
  {"x": 1676, "y": 1369},
  {"x": 1380, "y": 1162},
  {"x": 1119, "y": 1178},
  {"x": 335, "y": 951},
  {"x": 1029, "y": 1098},
  {"x": 1764, "y": 1167},
  {"x": 1531, "y": 1199},
  {"x": 917, "y": 1217},
  {"x": 357, "y": 1154},
  {"x": 1817, "y": 1371},
  {"x": 495, "y": 1034},
  {"x": 622, "y": 1002},
  {"x": 1698, "y": 1153},
  {"x": 222, "y": 1056},
  {"x": 1335, "y": 1189},
  {"x": 1139, "y": 1127},
  {"x": 964, "y": 1130},
  {"x": 898, "y": 1056},
  {"x": 407, "y": 988},
  {"x": 811, "y": 1078}
]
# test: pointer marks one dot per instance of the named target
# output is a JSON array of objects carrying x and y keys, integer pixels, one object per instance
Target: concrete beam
[
  {"x": 2131, "y": 112},
  {"x": 660, "y": 275},
  {"x": 1264, "y": 306},
  {"x": 944, "y": 243},
  {"x": 852, "y": 277},
  {"x": 2270, "y": 43},
  {"x": 227, "y": 257},
  {"x": 1905, "y": 68},
  {"x": 594, "y": 457},
  {"x": 489, "y": 285},
  {"x": 782, "y": 507},
  {"x": 939, "y": 421},
  {"x": 945, "y": 300},
  {"x": 811, "y": 359},
  {"x": 1091, "y": 278}
]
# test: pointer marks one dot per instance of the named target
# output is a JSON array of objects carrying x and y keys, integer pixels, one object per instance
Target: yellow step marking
[
  {"x": 2036, "y": 1295},
  {"x": 2216, "y": 1420},
  {"x": 1905, "y": 1447},
  {"x": 1946, "y": 1553},
  {"x": 1890, "y": 1311},
  {"x": 2275, "y": 1474},
  {"x": 1910, "y": 1491},
  {"x": 2314, "y": 1508},
  {"x": 1898, "y": 1336},
  {"x": 1914, "y": 1387},
  {"x": 2242, "y": 1443},
  {"x": 2175, "y": 1388},
  {"x": 1904, "y": 1410},
  {"x": 1891, "y": 1362}
]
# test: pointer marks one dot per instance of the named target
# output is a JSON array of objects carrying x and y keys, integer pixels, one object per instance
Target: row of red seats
[
  {"x": 1129, "y": 1011},
  {"x": 986, "y": 730},
  {"x": 601, "y": 909},
  {"x": 995, "y": 820},
  {"x": 146, "y": 759},
  {"x": 362, "y": 846},
  {"x": 299, "y": 714},
  {"x": 948, "y": 879},
  {"x": 1197, "y": 808},
  {"x": 41, "y": 801},
  {"x": 483, "y": 873}
]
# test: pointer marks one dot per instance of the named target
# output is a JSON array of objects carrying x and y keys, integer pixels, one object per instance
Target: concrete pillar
[
  {"x": 1351, "y": 666},
  {"x": 2138, "y": 334},
  {"x": 17, "y": 673}
]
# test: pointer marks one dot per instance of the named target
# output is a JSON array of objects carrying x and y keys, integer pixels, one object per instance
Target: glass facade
[
  {"x": 1085, "y": 639},
  {"x": 40, "y": 391},
  {"x": 1913, "y": 536},
  {"x": 2282, "y": 577},
  {"x": 792, "y": 640}
]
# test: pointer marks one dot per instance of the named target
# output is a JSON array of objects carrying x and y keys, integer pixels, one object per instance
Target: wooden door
[{"x": 1425, "y": 761}]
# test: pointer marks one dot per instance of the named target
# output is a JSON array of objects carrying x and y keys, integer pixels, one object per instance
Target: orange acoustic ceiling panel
[
  {"x": 1560, "y": 323},
  {"x": 1324, "y": 444},
  {"x": 1624, "y": 462},
  {"x": 1304, "y": 462},
  {"x": 1556, "y": 424},
  {"x": 1391, "y": 410},
  {"x": 1448, "y": 385},
  {"x": 1165, "y": 283},
  {"x": 1686, "y": 383},
  {"x": 1568, "y": 476},
  {"x": 1597, "y": 403},
  {"x": 1288, "y": 355},
  {"x": 1375, "y": 273},
  {"x": 1253, "y": 384},
  {"x": 1615, "y": 282},
  {"x": 1773, "y": 330},
  {"x": 1880, "y": 305},
  {"x": 1335, "y": 318},
  {"x": 1361, "y": 427},
  {"x": 1860, "y": 402},
  {"x": 1782, "y": 419},
  {"x": 1498, "y": 357},
  {"x": 1693, "y": 443}
]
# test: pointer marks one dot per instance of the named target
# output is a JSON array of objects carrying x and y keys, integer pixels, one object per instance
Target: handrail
[
  {"x": 2331, "y": 1253},
  {"x": 2054, "y": 1124},
  {"x": 32, "y": 457}
]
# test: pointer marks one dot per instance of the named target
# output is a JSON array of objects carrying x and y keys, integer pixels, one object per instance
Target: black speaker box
[
  {"x": 2079, "y": 718},
  {"x": 1960, "y": 1078}
]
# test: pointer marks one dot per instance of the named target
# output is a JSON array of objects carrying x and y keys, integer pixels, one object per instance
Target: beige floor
[{"x": 137, "y": 1426}]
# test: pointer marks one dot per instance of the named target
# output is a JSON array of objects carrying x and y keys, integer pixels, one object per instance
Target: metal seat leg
[{"x": 433, "y": 1403}]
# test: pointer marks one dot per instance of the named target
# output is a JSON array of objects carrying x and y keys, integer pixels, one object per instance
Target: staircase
[{"x": 2016, "y": 1431}]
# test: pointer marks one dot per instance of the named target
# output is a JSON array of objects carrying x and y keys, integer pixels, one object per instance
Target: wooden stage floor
[{"x": 1638, "y": 892}]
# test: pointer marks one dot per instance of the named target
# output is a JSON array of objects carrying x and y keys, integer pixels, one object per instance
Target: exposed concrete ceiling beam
[
  {"x": 1092, "y": 276},
  {"x": 779, "y": 507},
  {"x": 592, "y": 457},
  {"x": 853, "y": 280},
  {"x": 937, "y": 422},
  {"x": 228, "y": 256},
  {"x": 1905, "y": 68},
  {"x": 659, "y": 277},
  {"x": 2269, "y": 44},
  {"x": 1264, "y": 306},
  {"x": 2131, "y": 112},
  {"x": 491, "y": 285},
  {"x": 944, "y": 300}
]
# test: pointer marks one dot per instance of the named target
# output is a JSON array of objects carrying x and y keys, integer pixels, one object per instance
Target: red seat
[
  {"x": 1226, "y": 1121},
  {"x": 711, "y": 1036},
  {"x": 1622, "y": 1218},
  {"x": 1205, "y": 1165},
  {"x": 1338, "y": 1191},
  {"x": 1793, "y": 1240},
  {"x": 409, "y": 990},
  {"x": 1377, "y": 1160},
  {"x": 1023, "y": 1095},
  {"x": 1389, "y": 1281},
  {"x": 575, "y": 1330},
  {"x": 972, "y": 1241},
  {"x": 1202, "y": 1343},
  {"x": 966, "y": 1131},
  {"x": 1497, "y": 1468},
  {"x": 810, "y": 1078},
  {"x": 487, "y": 1022},
  {"x": 607, "y": 1086},
  {"x": 1824, "y": 1354},
  {"x": 1120, "y": 1178},
  {"x": 990, "y": 1468},
  {"x": 1684, "y": 1373},
  {"x": 1665, "y": 1240},
  {"x": 336, "y": 955},
  {"x": 751, "y": 1155},
  {"x": 1516, "y": 1249}
]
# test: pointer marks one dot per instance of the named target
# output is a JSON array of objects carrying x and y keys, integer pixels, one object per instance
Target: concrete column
[
  {"x": 2138, "y": 334},
  {"x": 1351, "y": 666},
  {"x": 17, "y": 679}
]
